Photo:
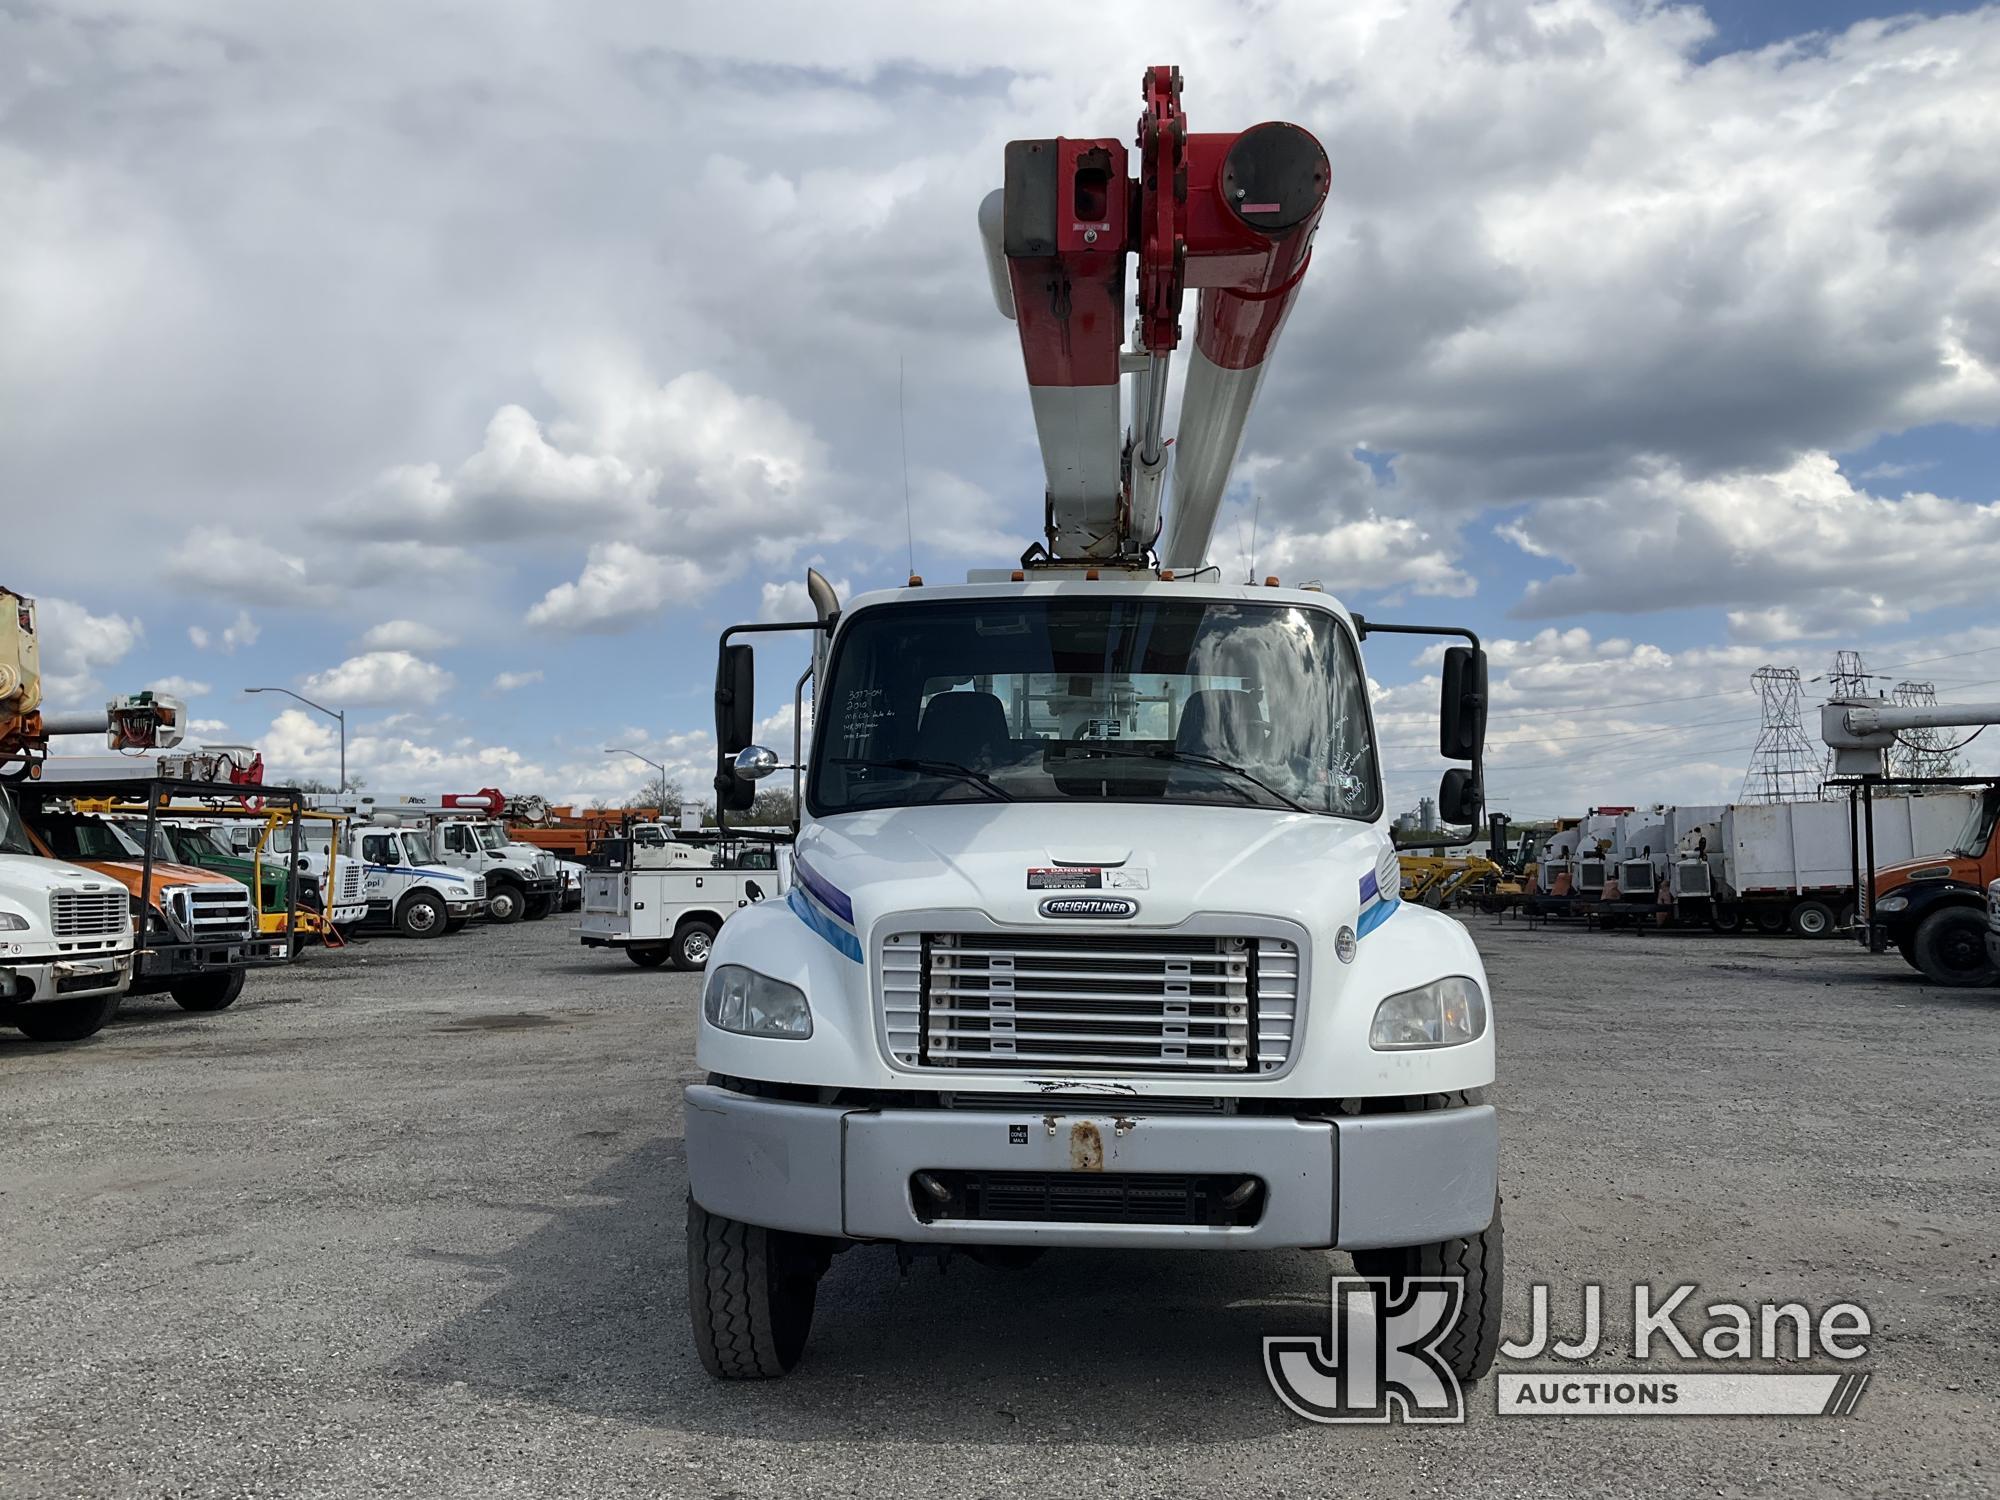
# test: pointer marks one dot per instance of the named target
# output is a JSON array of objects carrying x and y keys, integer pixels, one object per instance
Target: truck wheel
[
  {"x": 1481, "y": 1260},
  {"x": 1769, "y": 918},
  {"x": 505, "y": 905},
  {"x": 1811, "y": 919},
  {"x": 1725, "y": 918},
  {"x": 648, "y": 958},
  {"x": 692, "y": 944},
  {"x": 456, "y": 924},
  {"x": 64, "y": 1020},
  {"x": 207, "y": 991},
  {"x": 1950, "y": 947},
  {"x": 421, "y": 916},
  {"x": 539, "y": 907},
  {"x": 750, "y": 1295}
]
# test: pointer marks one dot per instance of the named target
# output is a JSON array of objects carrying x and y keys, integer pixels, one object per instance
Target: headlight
[
  {"x": 1893, "y": 903},
  {"x": 1442, "y": 1014},
  {"x": 11, "y": 923},
  {"x": 742, "y": 1000}
]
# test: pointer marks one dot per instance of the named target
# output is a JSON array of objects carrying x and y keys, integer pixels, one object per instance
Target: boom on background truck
[{"x": 1095, "y": 938}]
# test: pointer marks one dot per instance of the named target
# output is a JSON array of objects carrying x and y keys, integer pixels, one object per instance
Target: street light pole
[
  {"x": 338, "y": 715},
  {"x": 620, "y": 750}
]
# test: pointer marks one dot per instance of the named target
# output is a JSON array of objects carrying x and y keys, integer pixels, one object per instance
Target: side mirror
[
  {"x": 1462, "y": 706},
  {"x": 1460, "y": 797},
  {"x": 755, "y": 762},
  {"x": 735, "y": 721},
  {"x": 735, "y": 698}
]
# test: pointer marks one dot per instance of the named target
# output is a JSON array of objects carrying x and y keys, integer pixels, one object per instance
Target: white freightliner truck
[{"x": 1095, "y": 938}]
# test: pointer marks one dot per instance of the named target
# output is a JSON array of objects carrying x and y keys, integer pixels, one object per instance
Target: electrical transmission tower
[
  {"x": 1848, "y": 677},
  {"x": 1920, "y": 752},
  {"x": 1784, "y": 767}
]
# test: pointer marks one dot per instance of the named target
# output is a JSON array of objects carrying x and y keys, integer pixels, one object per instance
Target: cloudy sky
[{"x": 470, "y": 367}]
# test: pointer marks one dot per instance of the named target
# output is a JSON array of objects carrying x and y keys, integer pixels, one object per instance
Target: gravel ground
[{"x": 407, "y": 1220}]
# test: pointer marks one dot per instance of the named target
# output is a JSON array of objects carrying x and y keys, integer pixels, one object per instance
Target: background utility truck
[
  {"x": 466, "y": 833},
  {"x": 1095, "y": 937},
  {"x": 67, "y": 934},
  {"x": 66, "y": 939},
  {"x": 672, "y": 901}
]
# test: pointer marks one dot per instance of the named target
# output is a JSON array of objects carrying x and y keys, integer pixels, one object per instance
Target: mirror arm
[
  {"x": 1365, "y": 627},
  {"x": 762, "y": 628}
]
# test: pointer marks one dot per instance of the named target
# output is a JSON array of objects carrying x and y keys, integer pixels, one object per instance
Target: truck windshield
[
  {"x": 417, "y": 849},
  {"x": 1221, "y": 702},
  {"x": 490, "y": 835},
  {"x": 1979, "y": 827},
  {"x": 13, "y": 837}
]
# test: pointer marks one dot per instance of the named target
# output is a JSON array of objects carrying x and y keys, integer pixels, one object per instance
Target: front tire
[
  {"x": 1950, "y": 948},
  {"x": 64, "y": 1020},
  {"x": 207, "y": 991},
  {"x": 751, "y": 1293},
  {"x": 1480, "y": 1260},
  {"x": 1723, "y": 918},
  {"x": 539, "y": 907},
  {"x": 1811, "y": 919},
  {"x": 506, "y": 905},
  {"x": 692, "y": 944},
  {"x": 422, "y": 916}
]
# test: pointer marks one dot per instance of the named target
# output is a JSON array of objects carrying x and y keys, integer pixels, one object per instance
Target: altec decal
[{"x": 1096, "y": 907}]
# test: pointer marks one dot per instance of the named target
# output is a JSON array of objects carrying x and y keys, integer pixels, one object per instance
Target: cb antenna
[
  {"x": 903, "y": 431},
  {"x": 1256, "y": 516}
]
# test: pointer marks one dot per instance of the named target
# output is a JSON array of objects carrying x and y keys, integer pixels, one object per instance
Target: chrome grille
[
  {"x": 86, "y": 914},
  {"x": 218, "y": 909},
  {"x": 1142, "y": 1002}
]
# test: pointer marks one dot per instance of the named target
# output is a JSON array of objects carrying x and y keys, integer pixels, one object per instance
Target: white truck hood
[
  {"x": 30, "y": 875},
  {"x": 1174, "y": 861}
]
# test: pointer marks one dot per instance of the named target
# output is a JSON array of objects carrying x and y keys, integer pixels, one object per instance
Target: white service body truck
[
  {"x": 66, "y": 940},
  {"x": 668, "y": 911}
]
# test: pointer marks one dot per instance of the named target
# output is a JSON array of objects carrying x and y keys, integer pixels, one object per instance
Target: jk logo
[{"x": 1380, "y": 1362}]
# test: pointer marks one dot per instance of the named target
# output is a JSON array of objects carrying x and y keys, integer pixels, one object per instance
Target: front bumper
[
  {"x": 456, "y": 909},
  {"x": 64, "y": 978},
  {"x": 1353, "y": 1182},
  {"x": 163, "y": 961}
]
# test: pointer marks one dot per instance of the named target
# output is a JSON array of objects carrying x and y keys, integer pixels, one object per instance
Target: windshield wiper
[
  {"x": 949, "y": 768},
  {"x": 1213, "y": 763}
]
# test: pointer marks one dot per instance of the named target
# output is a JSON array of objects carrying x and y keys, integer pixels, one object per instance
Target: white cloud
[
  {"x": 240, "y": 632},
  {"x": 76, "y": 644},
  {"x": 789, "y": 601},
  {"x": 380, "y": 678},
  {"x": 1797, "y": 551},
  {"x": 620, "y": 585},
  {"x": 406, "y": 635},
  {"x": 508, "y": 682},
  {"x": 180, "y": 687},
  {"x": 224, "y": 563}
]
